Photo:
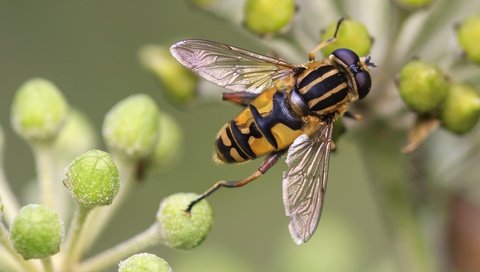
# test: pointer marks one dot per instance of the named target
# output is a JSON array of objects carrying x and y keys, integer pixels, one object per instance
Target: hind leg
[
  {"x": 269, "y": 161},
  {"x": 240, "y": 98}
]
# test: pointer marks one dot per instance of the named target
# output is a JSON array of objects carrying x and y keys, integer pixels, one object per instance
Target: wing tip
[
  {"x": 178, "y": 51},
  {"x": 174, "y": 50},
  {"x": 293, "y": 232}
]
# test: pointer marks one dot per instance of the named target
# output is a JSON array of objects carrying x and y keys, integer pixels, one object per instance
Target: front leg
[{"x": 323, "y": 44}]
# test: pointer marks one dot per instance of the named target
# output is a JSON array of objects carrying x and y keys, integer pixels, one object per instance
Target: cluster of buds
[
  {"x": 139, "y": 138},
  {"x": 427, "y": 91},
  {"x": 436, "y": 98}
]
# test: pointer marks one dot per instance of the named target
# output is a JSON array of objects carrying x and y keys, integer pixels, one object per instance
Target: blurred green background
[{"x": 89, "y": 49}]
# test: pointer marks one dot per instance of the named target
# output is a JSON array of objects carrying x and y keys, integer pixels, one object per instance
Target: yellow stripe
[
  {"x": 235, "y": 155},
  {"x": 318, "y": 80},
  {"x": 314, "y": 101},
  {"x": 224, "y": 137},
  {"x": 312, "y": 66},
  {"x": 336, "y": 107}
]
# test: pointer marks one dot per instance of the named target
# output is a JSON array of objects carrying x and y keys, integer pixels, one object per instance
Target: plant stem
[
  {"x": 461, "y": 164},
  {"x": 74, "y": 232},
  {"x": 5, "y": 242},
  {"x": 45, "y": 172},
  {"x": 387, "y": 166},
  {"x": 47, "y": 264},
  {"x": 145, "y": 239},
  {"x": 8, "y": 199},
  {"x": 7, "y": 262}
]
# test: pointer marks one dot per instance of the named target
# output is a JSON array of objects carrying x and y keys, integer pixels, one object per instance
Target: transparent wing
[
  {"x": 230, "y": 67},
  {"x": 305, "y": 181}
]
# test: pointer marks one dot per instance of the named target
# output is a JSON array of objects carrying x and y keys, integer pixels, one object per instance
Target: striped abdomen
[
  {"x": 264, "y": 126},
  {"x": 324, "y": 89}
]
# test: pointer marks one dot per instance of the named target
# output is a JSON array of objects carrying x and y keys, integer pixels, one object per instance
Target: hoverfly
[{"x": 286, "y": 109}]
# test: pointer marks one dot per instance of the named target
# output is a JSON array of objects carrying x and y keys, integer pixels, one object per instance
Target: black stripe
[
  {"x": 224, "y": 150},
  {"x": 324, "y": 86},
  {"x": 314, "y": 74},
  {"x": 331, "y": 100},
  {"x": 265, "y": 125},
  {"x": 234, "y": 143},
  {"x": 242, "y": 139},
  {"x": 254, "y": 130}
]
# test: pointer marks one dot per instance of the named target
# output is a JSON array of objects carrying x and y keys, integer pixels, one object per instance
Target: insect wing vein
[
  {"x": 305, "y": 181},
  {"x": 231, "y": 67}
]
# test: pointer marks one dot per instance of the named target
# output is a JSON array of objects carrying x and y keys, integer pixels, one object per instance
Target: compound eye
[
  {"x": 346, "y": 56},
  {"x": 364, "y": 83}
]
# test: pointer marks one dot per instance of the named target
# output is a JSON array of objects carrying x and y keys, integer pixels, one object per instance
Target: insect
[{"x": 286, "y": 109}]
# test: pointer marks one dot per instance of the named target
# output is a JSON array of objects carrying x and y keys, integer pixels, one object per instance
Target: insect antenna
[
  {"x": 338, "y": 27},
  {"x": 369, "y": 63}
]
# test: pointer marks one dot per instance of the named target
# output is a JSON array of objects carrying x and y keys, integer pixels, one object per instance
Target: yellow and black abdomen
[{"x": 264, "y": 126}]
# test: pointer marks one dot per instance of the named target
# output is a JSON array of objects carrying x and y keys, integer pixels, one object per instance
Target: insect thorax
[{"x": 321, "y": 90}]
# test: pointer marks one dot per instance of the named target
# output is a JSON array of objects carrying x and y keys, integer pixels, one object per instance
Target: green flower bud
[
  {"x": 180, "y": 84},
  {"x": 93, "y": 179},
  {"x": 36, "y": 232},
  {"x": 422, "y": 86},
  {"x": 468, "y": 35},
  {"x": 351, "y": 34},
  {"x": 180, "y": 229},
  {"x": 461, "y": 109},
  {"x": 413, "y": 4},
  {"x": 144, "y": 262},
  {"x": 131, "y": 127},
  {"x": 168, "y": 148},
  {"x": 268, "y": 16},
  {"x": 76, "y": 136},
  {"x": 38, "y": 110}
]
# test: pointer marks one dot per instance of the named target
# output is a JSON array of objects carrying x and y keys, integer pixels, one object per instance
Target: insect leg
[
  {"x": 269, "y": 161},
  {"x": 354, "y": 116},
  {"x": 311, "y": 55},
  {"x": 240, "y": 98}
]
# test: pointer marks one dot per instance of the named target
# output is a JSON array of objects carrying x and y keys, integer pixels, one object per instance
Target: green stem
[
  {"x": 227, "y": 12},
  {"x": 45, "y": 172},
  {"x": 100, "y": 217},
  {"x": 5, "y": 242},
  {"x": 74, "y": 232},
  {"x": 7, "y": 263},
  {"x": 47, "y": 264},
  {"x": 437, "y": 17},
  {"x": 8, "y": 199},
  {"x": 453, "y": 170},
  {"x": 389, "y": 65},
  {"x": 393, "y": 188},
  {"x": 143, "y": 240}
]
